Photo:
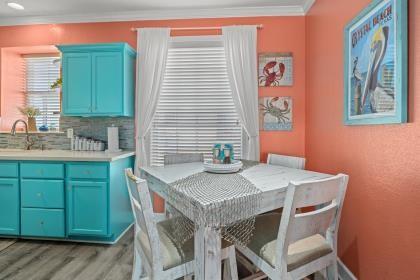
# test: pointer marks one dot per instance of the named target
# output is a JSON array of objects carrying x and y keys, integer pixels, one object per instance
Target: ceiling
[{"x": 62, "y": 11}]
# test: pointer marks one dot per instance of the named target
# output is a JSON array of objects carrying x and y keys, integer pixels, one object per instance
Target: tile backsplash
[{"x": 86, "y": 127}]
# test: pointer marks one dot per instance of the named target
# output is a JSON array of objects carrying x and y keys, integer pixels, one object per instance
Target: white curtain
[
  {"x": 240, "y": 44},
  {"x": 152, "y": 52}
]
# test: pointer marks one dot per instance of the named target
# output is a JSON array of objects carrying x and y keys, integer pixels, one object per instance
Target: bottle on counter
[
  {"x": 72, "y": 143},
  {"x": 79, "y": 143},
  {"x": 76, "y": 143},
  {"x": 99, "y": 146}
]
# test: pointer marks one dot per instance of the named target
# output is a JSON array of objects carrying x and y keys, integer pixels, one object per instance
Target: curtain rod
[{"x": 259, "y": 26}]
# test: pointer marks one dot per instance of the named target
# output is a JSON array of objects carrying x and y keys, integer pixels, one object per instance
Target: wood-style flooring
[
  {"x": 45, "y": 260},
  {"x": 22, "y": 259}
]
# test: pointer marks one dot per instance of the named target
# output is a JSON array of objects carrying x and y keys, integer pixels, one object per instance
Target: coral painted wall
[
  {"x": 13, "y": 82},
  {"x": 12, "y": 87},
  {"x": 379, "y": 236},
  {"x": 281, "y": 34}
]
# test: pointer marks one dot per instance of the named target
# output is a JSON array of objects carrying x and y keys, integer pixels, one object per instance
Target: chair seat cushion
[
  {"x": 301, "y": 252},
  {"x": 173, "y": 253}
]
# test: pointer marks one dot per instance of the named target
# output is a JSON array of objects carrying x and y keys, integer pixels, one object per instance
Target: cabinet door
[
  {"x": 87, "y": 208},
  {"x": 9, "y": 206},
  {"x": 107, "y": 85},
  {"x": 77, "y": 83}
]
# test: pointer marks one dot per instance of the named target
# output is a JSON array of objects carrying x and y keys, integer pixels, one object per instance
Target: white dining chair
[
  {"x": 294, "y": 245},
  {"x": 156, "y": 253},
  {"x": 182, "y": 158},
  {"x": 179, "y": 158},
  {"x": 286, "y": 161}
]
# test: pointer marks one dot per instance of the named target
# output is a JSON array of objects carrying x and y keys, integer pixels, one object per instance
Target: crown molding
[
  {"x": 307, "y": 5},
  {"x": 297, "y": 10}
]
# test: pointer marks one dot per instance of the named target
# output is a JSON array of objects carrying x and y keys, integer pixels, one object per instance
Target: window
[
  {"x": 195, "y": 108},
  {"x": 41, "y": 73}
]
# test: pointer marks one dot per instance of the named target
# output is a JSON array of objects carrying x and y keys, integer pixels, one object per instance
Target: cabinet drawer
[
  {"x": 8, "y": 169},
  {"x": 87, "y": 171},
  {"x": 42, "y": 193},
  {"x": 42, "y": 170},
  {"x": 42, "y": 222}
]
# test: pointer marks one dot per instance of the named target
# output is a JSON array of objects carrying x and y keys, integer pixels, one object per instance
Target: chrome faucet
[{"x": 28, "y": 142}]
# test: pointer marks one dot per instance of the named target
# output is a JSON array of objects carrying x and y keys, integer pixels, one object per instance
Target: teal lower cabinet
[
  {"x": 40, "y": 222},
  {"x": 9, "y": 206},
  {"x": 87, "y": 208},
  {"x": 9, "y": 170},
  {"x": 42, "y": 170},
  {"x": 77, "y": 201},
  {"x": 42, "y": 193}
]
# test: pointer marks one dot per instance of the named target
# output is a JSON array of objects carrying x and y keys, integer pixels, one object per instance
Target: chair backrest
[
  {"x": 182, "y": 158},
  {"x": 328, "y": 196},
  {"x": 286, "y": 161},
  {"x": 141, "y": 205}
]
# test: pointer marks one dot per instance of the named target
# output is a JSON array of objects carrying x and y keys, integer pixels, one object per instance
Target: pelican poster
[
  {"x": 275, "y": 113},
  {"x": 275, "y": 69},
  {"x": 373, "y": 66}
]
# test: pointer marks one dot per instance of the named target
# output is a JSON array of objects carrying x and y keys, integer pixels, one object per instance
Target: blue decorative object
[
  {"x": 43, "y": 128},
  {"x": 221, "y": 148},
  {"x": 221, "y": 152},
  {"x": 376, "y": 65}
]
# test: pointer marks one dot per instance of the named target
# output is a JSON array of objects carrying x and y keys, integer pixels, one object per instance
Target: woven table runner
[{"x": 224, "y": 201}]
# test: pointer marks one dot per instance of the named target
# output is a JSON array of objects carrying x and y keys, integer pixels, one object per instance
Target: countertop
[{"x": 62, "y": 155}]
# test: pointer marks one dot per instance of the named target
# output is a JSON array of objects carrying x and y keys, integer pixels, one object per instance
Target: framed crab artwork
[
  {"x": 275, "y": 113},
  {"x": 275, "y": 69}
]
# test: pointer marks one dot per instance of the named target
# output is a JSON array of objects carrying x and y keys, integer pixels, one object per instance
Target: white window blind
[
  {"x": 195, "y": 108},
  {"x": 41, "y": 73}
]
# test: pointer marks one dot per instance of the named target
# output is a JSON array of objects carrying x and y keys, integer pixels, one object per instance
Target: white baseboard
[{"x": 344, "y": 273}]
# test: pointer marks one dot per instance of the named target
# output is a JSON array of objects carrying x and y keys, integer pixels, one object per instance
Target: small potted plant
[
  {"x": 30, "y": 112},
  {"x": 57, "y": 84}
]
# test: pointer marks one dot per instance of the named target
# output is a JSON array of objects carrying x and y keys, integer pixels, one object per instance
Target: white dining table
[{"x": 272, "y": 180}]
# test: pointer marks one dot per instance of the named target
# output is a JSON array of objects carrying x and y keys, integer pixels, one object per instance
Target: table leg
[
  {"x": 332, "y": 271},
  {"x": 208, "y": 257}
]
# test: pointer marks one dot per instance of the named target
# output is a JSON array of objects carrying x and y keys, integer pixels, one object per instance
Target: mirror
[{"x": 30, "y": 88}]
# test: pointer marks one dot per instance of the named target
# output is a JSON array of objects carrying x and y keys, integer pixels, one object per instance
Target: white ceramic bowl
[{"x": 211, "y": 167}]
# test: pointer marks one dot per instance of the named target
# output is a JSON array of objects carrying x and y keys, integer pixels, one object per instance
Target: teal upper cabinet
[
  {"x": 107, "y": 81},
  {"x": 98, "y": 79},
  {"x": 77, "y": 71}
]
